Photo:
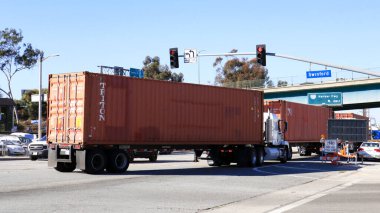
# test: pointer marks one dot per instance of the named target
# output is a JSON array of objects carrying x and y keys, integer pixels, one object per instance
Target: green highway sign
[{"x": 327, "y": 98}]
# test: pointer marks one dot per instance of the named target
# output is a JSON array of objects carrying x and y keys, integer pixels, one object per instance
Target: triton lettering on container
[
  {"x": 305, "y": 124},
  {"x": 95, "y": 120}
]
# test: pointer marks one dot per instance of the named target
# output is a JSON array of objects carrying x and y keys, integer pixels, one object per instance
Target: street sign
[
  {"x": 34, "y": 98},
  {"x": 327, "y": 98},
  {"x": 118, "y": 71},
  {"x": 318, "y": 74},
  {"x": 331, "y": 146},
  {"x": 136, "y": 73},
  {"x": 190, "y": 55}
]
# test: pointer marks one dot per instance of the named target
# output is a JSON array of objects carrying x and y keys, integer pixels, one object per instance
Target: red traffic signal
[
  {"x": 261, "y": 54},
  {"x": 174, "y": 58}
]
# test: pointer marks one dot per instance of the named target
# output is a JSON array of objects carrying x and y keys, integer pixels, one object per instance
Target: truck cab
[{"x": 275, "y": 145}]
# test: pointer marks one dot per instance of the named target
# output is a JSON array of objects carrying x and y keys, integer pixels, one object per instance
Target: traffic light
[
  {"x": 174, "y": 58},
  {"x": 261, "y": 54}
]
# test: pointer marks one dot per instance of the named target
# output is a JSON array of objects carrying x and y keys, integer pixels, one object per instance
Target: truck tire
[
  {"x": 215, "y": 158},
  {"x": 153, "y": 158},
  {"x": 260, "y": 156},
  {"x": 65, "y": 167},
  {"x": 243, "y": 157},
  {"x": 214, "y": 162},
  {"x": 290, "y": 153},
  {"x": 96, "y": 161},
  {"x": 284, "y": 159},
  {"x": 118, "y": 161},
  {"x": 33, "y": 158},
  {"x": 252, "y": 157}
]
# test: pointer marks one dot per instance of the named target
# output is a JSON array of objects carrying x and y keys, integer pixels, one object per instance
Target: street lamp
[
  {"x": 199, "y": 69},
  {"x": 39, "y": 93}
]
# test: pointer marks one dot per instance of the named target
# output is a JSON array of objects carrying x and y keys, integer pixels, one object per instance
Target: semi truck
[
  {"x": 94, "y": 120},
  {"x": 306, "y": 124}
]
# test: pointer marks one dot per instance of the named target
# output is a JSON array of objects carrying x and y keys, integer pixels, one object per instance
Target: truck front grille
[{"x": 38, "y": 147}]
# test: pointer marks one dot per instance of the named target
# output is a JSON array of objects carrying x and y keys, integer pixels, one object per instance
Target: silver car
[
  {"x": 12, "y": 148},
  {"x": 369, "y": 150}
]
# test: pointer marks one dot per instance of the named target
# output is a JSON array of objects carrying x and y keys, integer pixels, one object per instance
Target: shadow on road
[
  {"x": 144, "y": 161},
  {"x": 270, "y": 168}
]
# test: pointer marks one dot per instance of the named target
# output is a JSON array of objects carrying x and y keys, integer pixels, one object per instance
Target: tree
[
  {"x": 240, "y": 72},
  {"x": 154, "y": 70},
  {"x": 270, "y": 84},
  {"x": 27, "y": 109},
  {"x": 281, "y": 83},
  {"x": 15, "y": 56}
]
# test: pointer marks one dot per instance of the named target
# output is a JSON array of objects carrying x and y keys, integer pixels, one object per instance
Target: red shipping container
[
  {"x": 350, "y": 116},
  {"x": 96, "y": 109},
  {"x": 306, "y": 123}
]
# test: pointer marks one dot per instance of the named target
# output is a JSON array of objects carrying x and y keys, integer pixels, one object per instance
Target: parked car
[
  {"x": 38, "y": 149},
  {"x": 11, "y": 147},
  {"x": 20, "y": 140},
  {"x": 369, "y": 150},
  {"x": 24, "y": 135}
]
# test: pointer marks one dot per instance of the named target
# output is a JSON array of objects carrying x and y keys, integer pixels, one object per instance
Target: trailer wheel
[
  {"x": 260, "y": 156},
  {"x": 252, "y": 157},
  {"x": 290, "y": 153},
  {"x": 215, "y": 158},
  {"x": 96, "y": 161},
  {"x": 118, "y": 161},
  {"x": 65, "y": 167},
  {"x": 242, "y": 157},
  {"x": 214, "y": 162},
  {"x": 153, "y": 158}
]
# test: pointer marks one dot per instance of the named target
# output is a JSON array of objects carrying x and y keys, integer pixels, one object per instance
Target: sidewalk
[{"x": 7, "y": 158}]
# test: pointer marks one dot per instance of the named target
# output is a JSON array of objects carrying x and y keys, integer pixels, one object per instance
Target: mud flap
[
  {"x": 81, "y": 159},
  {"x": 52, "y": 157}
]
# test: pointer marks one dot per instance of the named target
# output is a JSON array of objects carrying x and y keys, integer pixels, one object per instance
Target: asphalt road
[{"x": 176, "y": 184}]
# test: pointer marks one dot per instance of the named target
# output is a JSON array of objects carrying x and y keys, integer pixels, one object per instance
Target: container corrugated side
[
  {"x": 306, "y": 123},
  {"x": 123, "y": 110},
  {"x": 349, "y": 116}
]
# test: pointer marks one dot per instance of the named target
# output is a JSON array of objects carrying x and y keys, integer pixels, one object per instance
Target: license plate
[
  {"x": 34, "y": 153},
  {"x": 65, "y": 152}
]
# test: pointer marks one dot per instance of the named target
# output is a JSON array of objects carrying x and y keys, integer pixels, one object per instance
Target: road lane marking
[
  {"x": 291, "y": 167},
  {"x": 312, "y": 197},
  {"x": 276, "y": 173}
]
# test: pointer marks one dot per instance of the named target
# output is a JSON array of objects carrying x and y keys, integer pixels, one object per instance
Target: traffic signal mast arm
[
  {"x": 357, "y": 70},
  {"x": 325, "y": 64}
]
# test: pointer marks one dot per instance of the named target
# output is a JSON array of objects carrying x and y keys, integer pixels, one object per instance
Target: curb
[{"x": 13, "y": 158}]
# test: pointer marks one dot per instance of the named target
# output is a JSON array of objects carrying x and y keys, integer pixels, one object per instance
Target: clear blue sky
[{"x": 121, "y": 33}]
